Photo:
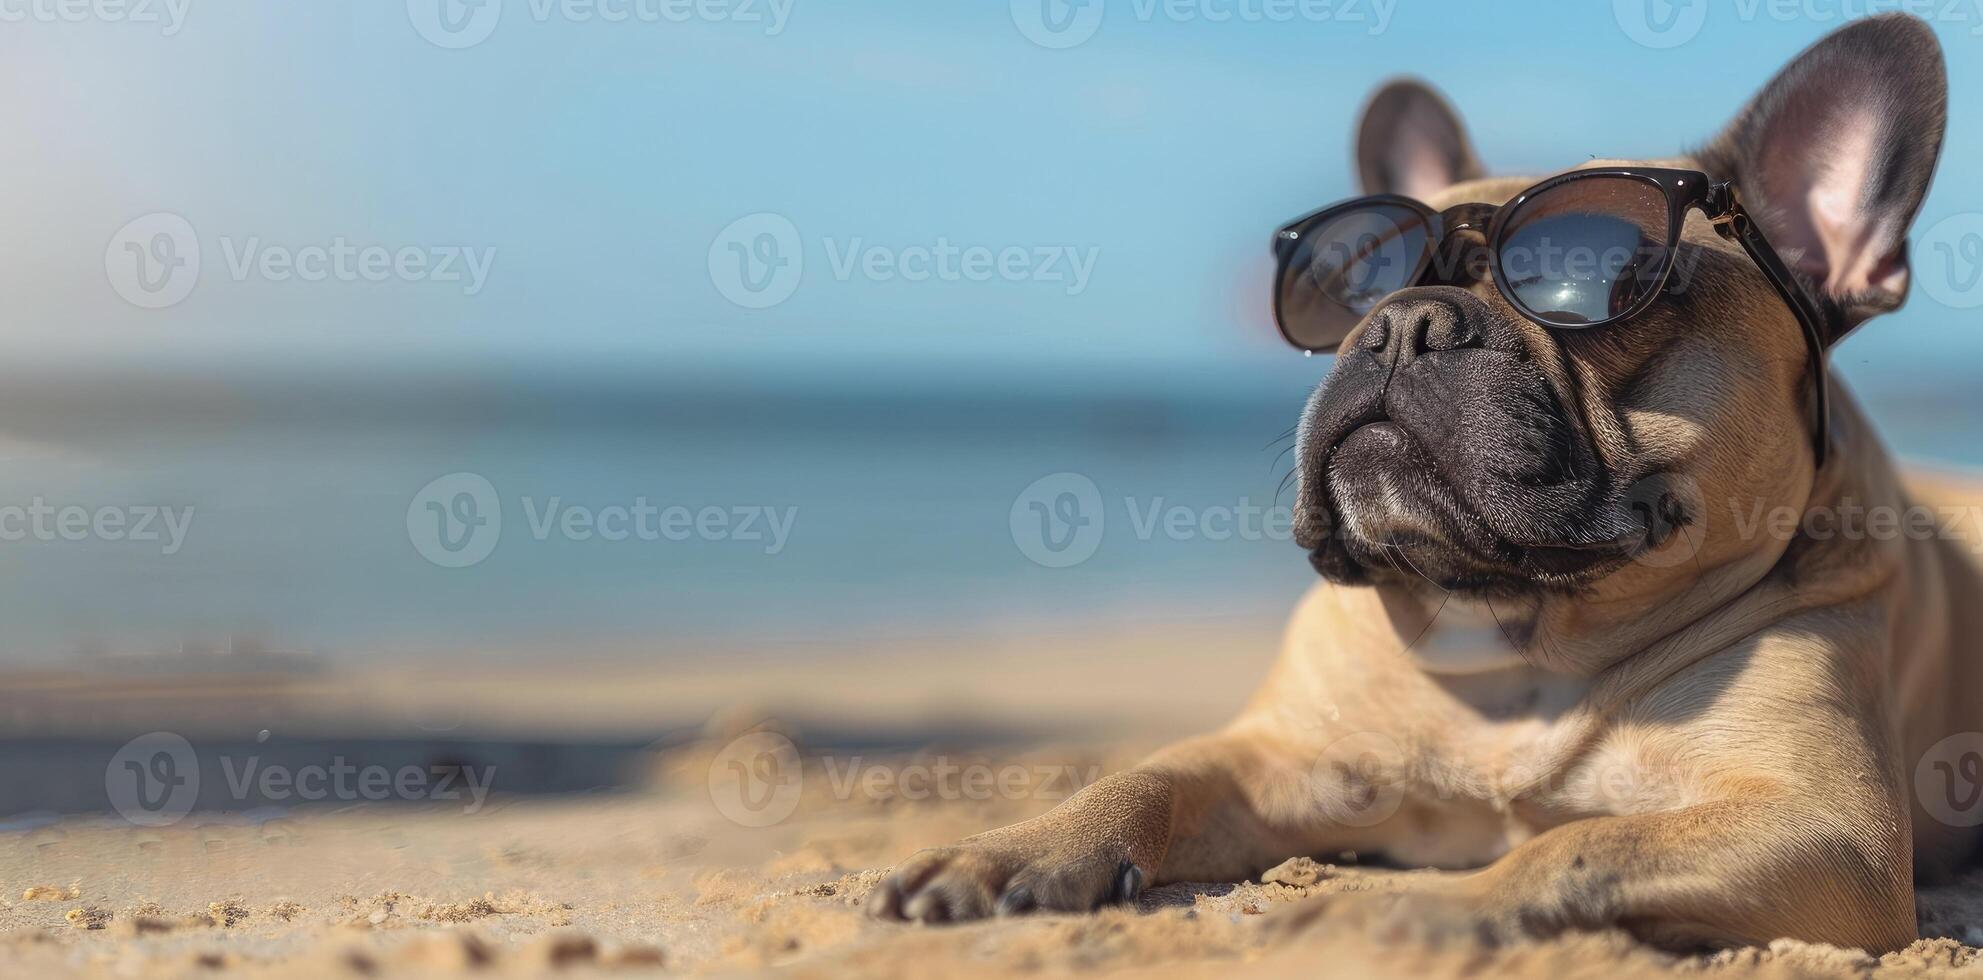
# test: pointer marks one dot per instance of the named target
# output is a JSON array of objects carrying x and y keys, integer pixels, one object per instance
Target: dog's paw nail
[
  {"x": 1018, "y": 901},
  {"x": 1128, "y": 882},
  {"x": 886, "y": 902},
  {"x": 928, "y": 907}
]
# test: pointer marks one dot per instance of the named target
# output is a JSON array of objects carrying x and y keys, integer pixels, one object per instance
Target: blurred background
[{"x": 596, "y": 343}]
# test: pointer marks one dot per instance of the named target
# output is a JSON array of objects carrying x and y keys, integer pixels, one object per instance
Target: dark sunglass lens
[
  {"x": 1585, "y": 251},
  {"x": 1343, "y": 265}
]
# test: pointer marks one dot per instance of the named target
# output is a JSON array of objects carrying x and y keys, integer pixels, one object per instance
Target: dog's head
[{"x": 1457, "y": 442}]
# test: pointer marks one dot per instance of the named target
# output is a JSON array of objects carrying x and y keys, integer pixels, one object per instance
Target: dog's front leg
[
  {"x": 1735, "y": 872},
  {"x": 1216, "y": 808}
]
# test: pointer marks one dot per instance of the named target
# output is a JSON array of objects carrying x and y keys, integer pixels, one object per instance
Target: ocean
[{"x": 523, "y": 516}]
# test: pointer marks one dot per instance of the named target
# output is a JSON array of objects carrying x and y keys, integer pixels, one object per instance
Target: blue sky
[{"x": 596, "y": 163}]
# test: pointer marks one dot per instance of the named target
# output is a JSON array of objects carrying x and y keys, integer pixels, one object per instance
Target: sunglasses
[{"x": 1580, "y": 250}]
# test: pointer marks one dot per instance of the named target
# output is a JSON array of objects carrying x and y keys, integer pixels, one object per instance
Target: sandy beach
[
  {"x": 524, "y": 488},
  {"x": 687, "y": 867}
]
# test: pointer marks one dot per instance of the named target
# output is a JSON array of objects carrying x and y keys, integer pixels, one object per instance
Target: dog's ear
[
  {"x": 1834, "y": 155},
  {"x": 1411, "y": 142}
]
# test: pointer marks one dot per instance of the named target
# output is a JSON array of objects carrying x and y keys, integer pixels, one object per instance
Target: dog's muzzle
[{"x": 1438, "y": 448}]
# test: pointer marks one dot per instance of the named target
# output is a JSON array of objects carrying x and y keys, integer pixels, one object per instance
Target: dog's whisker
[
  {"x": 1389, "y": 547},
  {"x": 1427, "y": 628},
  {"x": 1289, "y": 434},
  {"x": 1283, "y": 488},
  {"x": 1513, "y": 644}
]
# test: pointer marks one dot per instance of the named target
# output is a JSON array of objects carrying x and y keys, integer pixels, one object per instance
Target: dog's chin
[{"x": 1395, "y": 519}]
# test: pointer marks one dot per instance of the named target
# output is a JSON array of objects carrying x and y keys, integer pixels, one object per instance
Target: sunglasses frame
[{"x": 1683, "y": 190}]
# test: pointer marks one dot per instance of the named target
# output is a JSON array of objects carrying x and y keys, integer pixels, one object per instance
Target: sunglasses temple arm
[{"x": 1734, "y": 224}]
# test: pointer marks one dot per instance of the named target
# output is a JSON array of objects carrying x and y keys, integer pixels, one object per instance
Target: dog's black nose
[{"x": 1404, "y": 328}]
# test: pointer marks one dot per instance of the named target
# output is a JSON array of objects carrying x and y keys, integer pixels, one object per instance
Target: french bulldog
[{"x": 1557, "y": 645}]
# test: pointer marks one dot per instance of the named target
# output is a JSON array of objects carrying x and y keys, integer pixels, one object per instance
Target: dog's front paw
[
  {"x": 1006, "y": 873},
  {"x": 1096, "y": 849}
]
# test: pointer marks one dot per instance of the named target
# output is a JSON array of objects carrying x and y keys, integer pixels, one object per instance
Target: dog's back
[
  {"x": 1955, "y": 500},
  {"x": 1939, "y": 487}
]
